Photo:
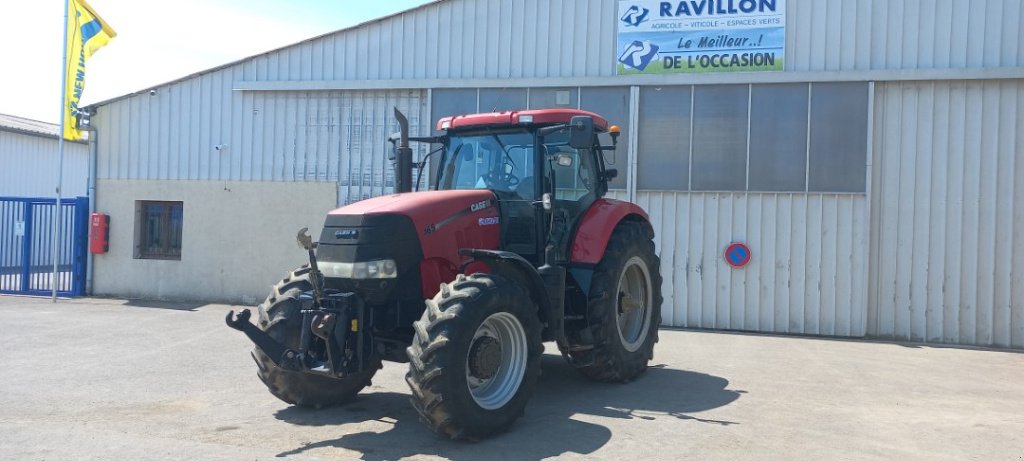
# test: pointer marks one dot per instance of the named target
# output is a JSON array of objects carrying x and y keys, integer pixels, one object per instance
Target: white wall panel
[
  {"x": 807, "y": 273},
  {"x": 908, "y": 34},
  {"x": 28, "y": 166},
  {"x": 462, "y": 39},
  {"x": 947, "y": 249},
  {"x": 335, "y": 136},
  {"x": 171, "y": 134}
]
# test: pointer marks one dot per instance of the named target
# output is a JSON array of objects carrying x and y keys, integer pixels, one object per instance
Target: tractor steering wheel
[
  {"x": 510, "y": 179},
  {"x": 507, "y": 181}
]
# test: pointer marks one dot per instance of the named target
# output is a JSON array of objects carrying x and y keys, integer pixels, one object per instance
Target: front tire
[
  {"x": 475, "y": 359},
  {"x": 624, "y": 309},
  {"x": 280, "y": 317}
]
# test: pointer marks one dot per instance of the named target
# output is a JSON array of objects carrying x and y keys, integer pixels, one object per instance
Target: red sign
[{"x": 737, "y": 255}]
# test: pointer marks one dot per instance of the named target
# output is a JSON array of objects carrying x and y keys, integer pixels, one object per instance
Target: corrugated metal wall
[
  {"x": 807, "y": 274},
  {"x": 461, "y": 39},
  {"x": 29, "y": 166},
  {"x": 947, "y": 252},
  {"x": 171, "y": 134},
  {"x": 269, "y": 136},
  {"x": 903, "y": 34}
]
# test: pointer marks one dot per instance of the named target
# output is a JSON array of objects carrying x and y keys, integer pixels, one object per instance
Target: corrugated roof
[{"x": 26, "y": 125}]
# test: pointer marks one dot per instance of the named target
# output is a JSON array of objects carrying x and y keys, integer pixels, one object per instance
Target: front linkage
[{"x": 332, "y": 339}]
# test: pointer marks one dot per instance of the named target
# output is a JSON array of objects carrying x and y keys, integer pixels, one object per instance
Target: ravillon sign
[{"x": 701, "y": 36}]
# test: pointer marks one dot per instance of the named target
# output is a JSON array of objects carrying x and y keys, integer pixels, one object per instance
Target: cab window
[
  {"x": 496, "y": 161},
  {"x": 575, "y": 170}
]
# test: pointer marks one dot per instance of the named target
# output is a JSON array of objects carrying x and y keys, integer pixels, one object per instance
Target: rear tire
[
  {"x": 280, "y": 317},
  {"x": 624, "y": 309},
  {"x": 475, "y": 359}
]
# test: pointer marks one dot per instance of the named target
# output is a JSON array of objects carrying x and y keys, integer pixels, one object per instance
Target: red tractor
[{"x": 515, "y": 247}]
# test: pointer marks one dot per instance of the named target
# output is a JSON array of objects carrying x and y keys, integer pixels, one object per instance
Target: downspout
[{"x": 93, "y": 151}]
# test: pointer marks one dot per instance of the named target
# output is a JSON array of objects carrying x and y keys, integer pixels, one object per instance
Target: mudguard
[{"x": 597, "y": 225}]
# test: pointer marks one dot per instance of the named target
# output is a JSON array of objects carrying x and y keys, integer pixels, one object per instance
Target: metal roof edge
[{"x": 39, "y": 135}]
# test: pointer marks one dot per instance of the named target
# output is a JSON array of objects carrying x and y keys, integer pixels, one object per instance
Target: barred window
[{"x": 158, "y": 230}]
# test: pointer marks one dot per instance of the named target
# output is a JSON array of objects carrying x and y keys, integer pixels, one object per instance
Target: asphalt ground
[{"x": 113, "y": 379}]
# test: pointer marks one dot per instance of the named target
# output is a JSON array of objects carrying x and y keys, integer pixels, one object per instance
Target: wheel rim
[
  {"x": 633, "y": 305},
  {"x": 493, "y": 386}
]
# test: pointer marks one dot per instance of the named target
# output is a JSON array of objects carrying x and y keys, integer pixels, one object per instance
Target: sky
[{"x": 156, "y": 45}]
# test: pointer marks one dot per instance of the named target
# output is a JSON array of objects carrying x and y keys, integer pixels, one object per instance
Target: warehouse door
[
  {"x": 947, "y": 240},
  {"x": 27, "y": 251}
]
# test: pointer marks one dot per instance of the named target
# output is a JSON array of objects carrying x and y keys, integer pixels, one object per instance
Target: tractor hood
[
  {"x": 442, "y": 221},
  {"x": 426, "y": 209}
]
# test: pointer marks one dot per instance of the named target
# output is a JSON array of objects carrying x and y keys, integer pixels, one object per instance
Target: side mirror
[
  {"x": 581, "y": 132},
  {"x": 611, "y": 174}
]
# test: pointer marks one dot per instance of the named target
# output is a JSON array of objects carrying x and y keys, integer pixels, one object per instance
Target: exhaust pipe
[{"x": 403, "y": 156}]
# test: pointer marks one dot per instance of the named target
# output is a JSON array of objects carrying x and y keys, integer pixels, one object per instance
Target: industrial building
[
  {"x": 28, "y": 153},
  {"x": 867, "y": 152},
  {"x": 29, "y": 165}
]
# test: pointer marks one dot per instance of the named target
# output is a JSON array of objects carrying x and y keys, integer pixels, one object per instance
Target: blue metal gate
[{"x": 27, "y": 250}]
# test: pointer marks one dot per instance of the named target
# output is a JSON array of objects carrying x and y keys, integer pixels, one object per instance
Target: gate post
[
  {"x": 80, "y": 228},
  {"x": 26, "y": 246}
]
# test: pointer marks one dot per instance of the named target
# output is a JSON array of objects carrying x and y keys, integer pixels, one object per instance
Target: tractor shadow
[{"x": 551, "y": 426}]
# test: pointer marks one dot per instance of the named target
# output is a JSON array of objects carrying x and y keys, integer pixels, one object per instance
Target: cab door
[{"x": 575, "y": 174}]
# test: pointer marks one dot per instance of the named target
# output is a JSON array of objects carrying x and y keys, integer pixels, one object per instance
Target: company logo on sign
[
  {"x": 696, "y": 36},
  {"x": 635, "y": 16},
  {"x": 639, "y": 55}
]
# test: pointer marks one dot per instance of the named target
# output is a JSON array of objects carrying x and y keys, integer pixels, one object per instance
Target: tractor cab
[{"x": 545, "y": 168}]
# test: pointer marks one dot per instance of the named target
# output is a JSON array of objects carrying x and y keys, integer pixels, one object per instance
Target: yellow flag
[{"x": 87, "y": 32}]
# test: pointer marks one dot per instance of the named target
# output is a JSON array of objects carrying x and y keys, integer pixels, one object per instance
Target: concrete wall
[{"x": 238, "y": 238}]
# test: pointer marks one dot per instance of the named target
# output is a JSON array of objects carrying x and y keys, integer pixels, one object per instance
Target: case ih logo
[
  {"x": 346, "y": 234},
  {"x": 635, "y": 16},
  {"x": 479, "y": 206}
]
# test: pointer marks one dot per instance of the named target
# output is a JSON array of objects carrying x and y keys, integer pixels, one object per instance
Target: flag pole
[{"x": 60, "y": 154}]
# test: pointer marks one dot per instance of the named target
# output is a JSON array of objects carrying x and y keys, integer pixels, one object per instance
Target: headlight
[{"x": 380, "y": 269}]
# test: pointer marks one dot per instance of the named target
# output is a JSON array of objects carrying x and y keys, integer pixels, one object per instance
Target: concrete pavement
[{"x": 114, "y": 379}]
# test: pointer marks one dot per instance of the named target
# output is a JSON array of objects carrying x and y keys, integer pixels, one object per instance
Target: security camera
[
  {"x": 220, "y": 147},
  {"x": 152, "y": 92}
]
